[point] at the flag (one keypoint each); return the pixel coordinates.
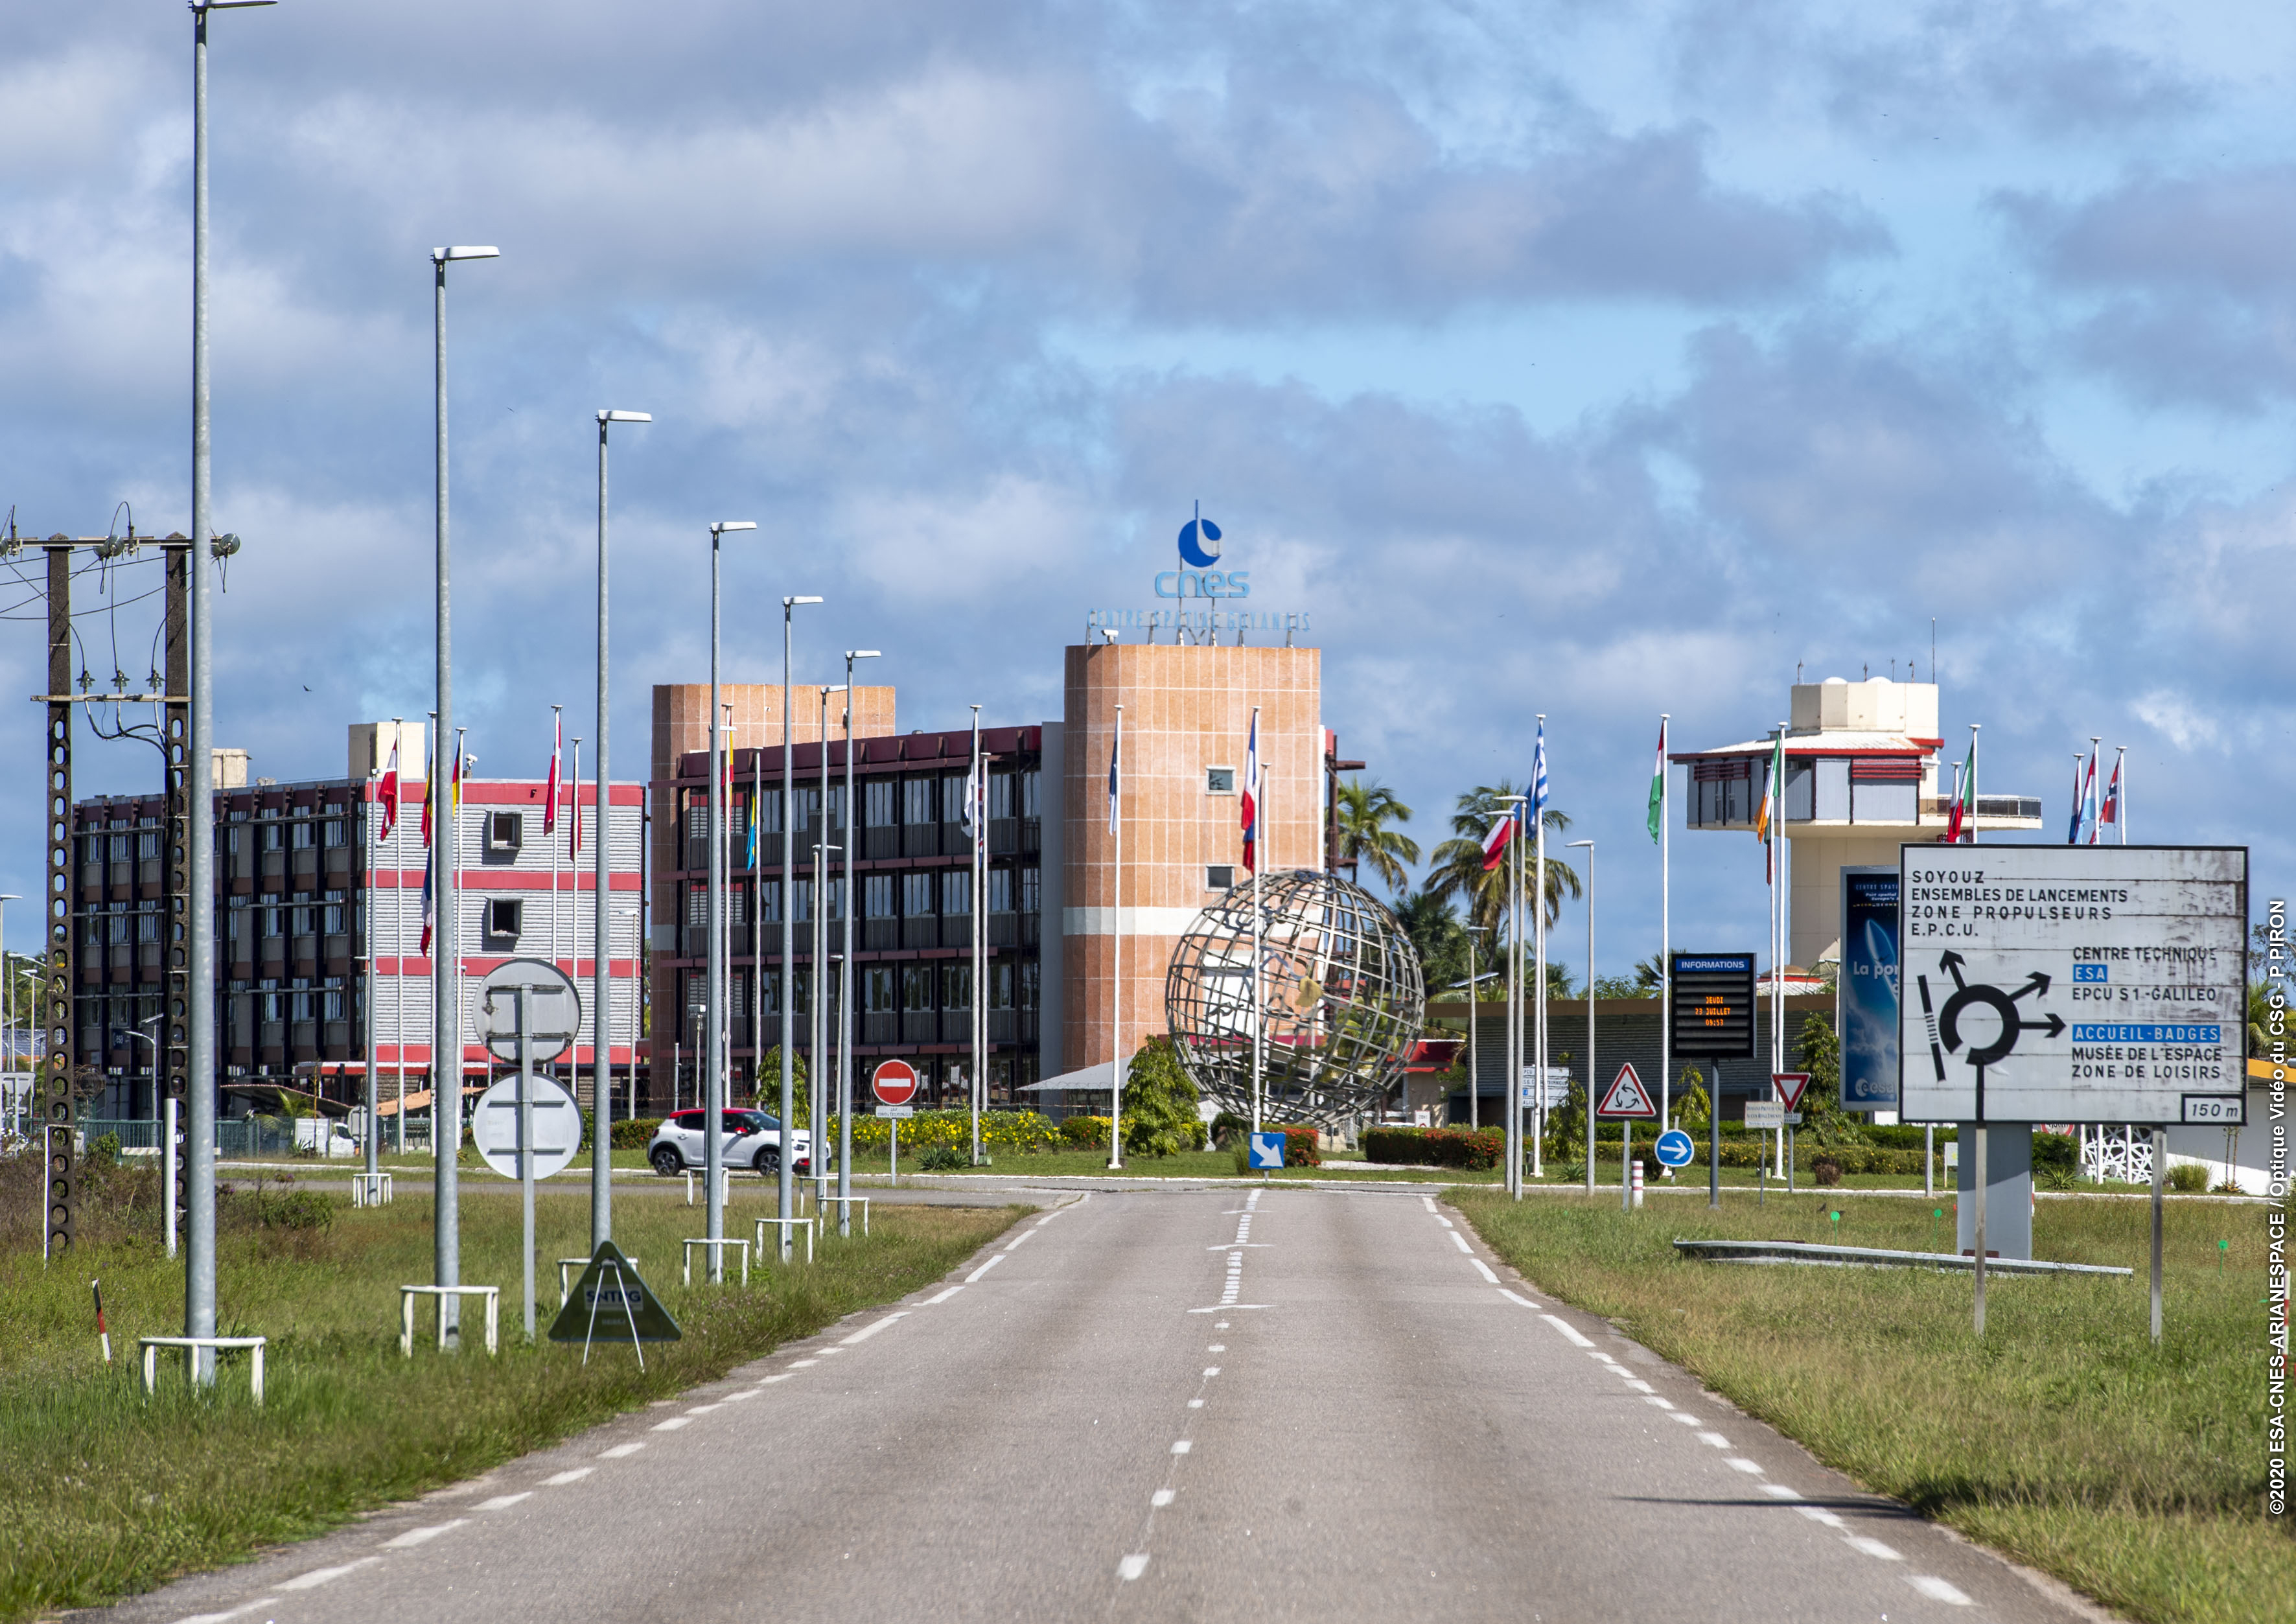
(975, 794)
(454, 786)
(2110, 813)
(424, 950)
(1250, 811)
(1965, 797)
(1766, 820)
(430, 789)
(549, 795)
(1494, 842)
(2073, 819)
(2089, 815)
(755, 807)
(1115, 745)
(387, 794)
(1657, 786)
(1538, 773)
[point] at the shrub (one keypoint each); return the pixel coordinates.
(1436, 1147)
(636, 1134)
(1826, 1171)
(1227, 1122)
(261, 1209)
(1159, 1100)
(2189, 1177)
(2055, 1150)
(1084, 1133)
(1000, 1130)
(945, 1159)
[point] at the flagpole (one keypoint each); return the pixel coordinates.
(2120, 791)
(973, 798)
(455, 943)
(1116, 951)
(1538, 931)
(1971, 786)
(550, 826)
(2088, 794)
(757, 916)
(399, 944)
(1253, 788)
(573, 890)
(1665, 945)
(816, 1075)
(1511, 1098)
(372, 1091)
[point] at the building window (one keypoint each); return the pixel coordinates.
(877, 989)
(505, 830)
(1000, 890)
(801, 900)
(1000, 794)
(503, 916)
(956, 986)
(1031, 781)
(306, 834)
(952, 797)
(957, 891)
(917, 986)
(879, 799)
(299, 1005)
(119, 844)
(271, 1001)
(147, 926)
(231, 840)
(916, 895)
(1219, 876)
(147, 845)
(1029, 981)
(877, 896)
(334, 920)
(917, 801)
(1000, 984)
(1032, 890)
(697, 905)
(335, 832)
(271, 926)
(1219, 780)
(274, 837)
(303, 921)
(234, 923)
(120, 927)
(331, 1003)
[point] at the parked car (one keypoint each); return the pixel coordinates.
(751, 1139)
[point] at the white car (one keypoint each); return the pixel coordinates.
(749, 1139)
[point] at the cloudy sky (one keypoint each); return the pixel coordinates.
(1596, 360)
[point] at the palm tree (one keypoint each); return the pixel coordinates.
(1458, 863)
(1362, 813)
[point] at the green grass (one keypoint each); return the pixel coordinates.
(109, 1494)
(2064, 1438)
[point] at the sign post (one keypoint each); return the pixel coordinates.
(1712, 1018)
(894, 1082)
(544, 1015)
(1789, 1088)
(2069, 984)
(1624, 1102)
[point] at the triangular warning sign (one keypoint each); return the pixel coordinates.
(1789, 1084)
(612, 1304)
(1628, 1098)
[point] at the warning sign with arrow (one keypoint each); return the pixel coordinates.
(612, 1304)
(1626, 1099)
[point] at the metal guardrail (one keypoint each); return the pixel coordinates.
(1875, 1257)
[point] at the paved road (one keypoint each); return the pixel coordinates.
(1206, 1404)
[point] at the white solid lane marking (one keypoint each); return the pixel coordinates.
(1511, 1297)
(1716, 1440)
(1872, 1547)
(1460, 1242)
(984, 1268)
(1818, 1514)
(1483, 1268)
(866, 1331)
(1739, 1462)
(320, 1576)
(422, 1536)
(1937, 1590)
(672, 1424)
(1575, 1339)
(1182, 1446)
(944, 1297)
(504, 1501)
(1779, 1491)
(1160, 1498)
(619, 1451)
(1211, 1370)
(1133, 1566)
(577, 1475)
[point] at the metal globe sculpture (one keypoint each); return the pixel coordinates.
(1332, 1015)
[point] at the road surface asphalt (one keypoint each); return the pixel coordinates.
(1198, 1403)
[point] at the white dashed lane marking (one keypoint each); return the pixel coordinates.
(320, 1576)
(563, 1478)
(1133, 1566)
(1739, 1462)
(422, 1536)
(1872, 1547)
(504, 1501)
(1938, 1589)
(866, 1331)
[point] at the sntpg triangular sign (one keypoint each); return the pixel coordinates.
(1628, 1098)
(612, 1304)
(1789, 1084)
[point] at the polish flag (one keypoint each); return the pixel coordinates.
(549, 795)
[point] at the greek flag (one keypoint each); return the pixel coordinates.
(1539, 774)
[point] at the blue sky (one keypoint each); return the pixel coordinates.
(1590, 360)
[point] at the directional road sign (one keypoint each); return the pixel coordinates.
(557, 1126)
(2072, 983)
(553, 1009)
(1789, 1085)
(1674, 1149)
(1267, 1150)
(894, 1082)
(1764, 1113)
(1713, 1005)
(1627, 1098)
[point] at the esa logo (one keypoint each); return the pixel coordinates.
(1199, 551)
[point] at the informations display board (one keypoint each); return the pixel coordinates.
(1866, 994)
(1713, 1005)
(2072, 984)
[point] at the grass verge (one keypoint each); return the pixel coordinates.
(2065, 1439)
(109, 1493)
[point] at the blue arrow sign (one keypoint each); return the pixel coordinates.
(1674, 1149)
(1267, 1150)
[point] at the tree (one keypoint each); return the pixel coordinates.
(1447, 954)
(1160, 1102)
(1457, 864)
(1363, 812)
(1818, 1051)
(1690, 1107)
(769, 1084)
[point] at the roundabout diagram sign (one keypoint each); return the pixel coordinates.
(2072, 983)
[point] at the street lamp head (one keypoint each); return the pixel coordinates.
(1589, 844)
(724, 525)
(792, 602)
(441, 256)
(228, 5)
(626, 417)
(853, 654)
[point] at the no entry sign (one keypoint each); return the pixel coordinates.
(894, 1082)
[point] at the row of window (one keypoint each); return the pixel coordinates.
(884, 802)
(885, 988)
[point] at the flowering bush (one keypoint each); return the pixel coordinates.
(1000, 1130)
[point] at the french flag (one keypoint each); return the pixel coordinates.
(424, 950)
(1251, 801)
(1494, 842)
(387, 794)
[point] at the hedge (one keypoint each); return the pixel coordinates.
(1091, 1134)
(1436, 1147)
(1000, 1130)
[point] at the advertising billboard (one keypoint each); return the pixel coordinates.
(1865, 993)
(2072, 984)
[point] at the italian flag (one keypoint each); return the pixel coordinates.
(1658, 785)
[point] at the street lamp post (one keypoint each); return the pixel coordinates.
(713, 1063)
(601, 987)
(817, 1089)
(200, 1039)
(1627, 1132)
(1474, 1071)
(785, 1170)
(637, 954)
(8, 1016)
(845, 977)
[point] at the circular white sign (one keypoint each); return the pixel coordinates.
(557, 1126)
(553, 1009)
